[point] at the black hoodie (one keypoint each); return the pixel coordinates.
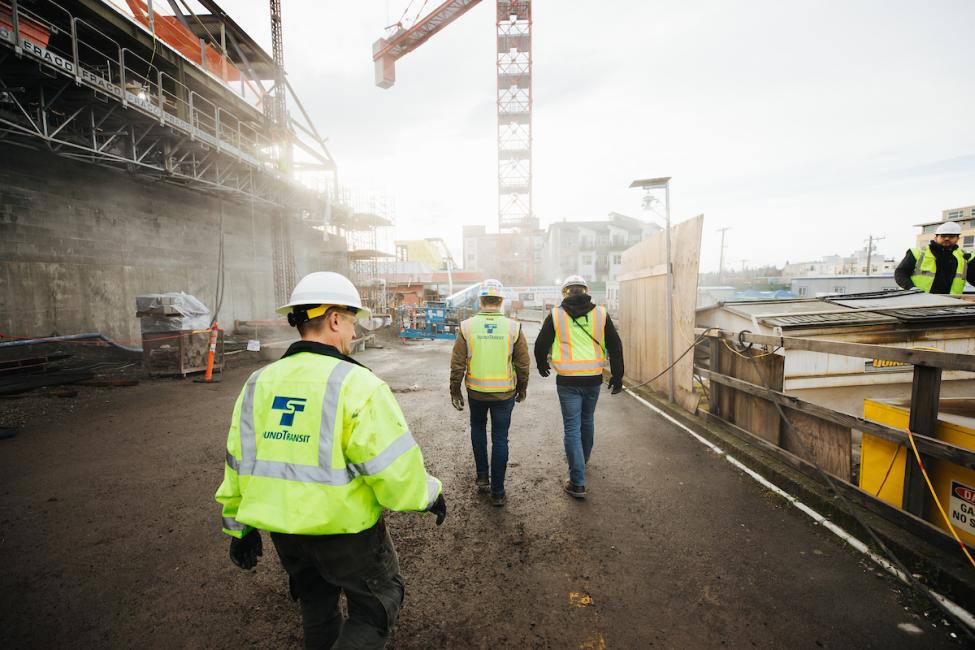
(945, 267)
(578, 307)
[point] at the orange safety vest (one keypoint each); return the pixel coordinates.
(579, 347)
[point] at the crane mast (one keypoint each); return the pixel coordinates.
(516, 221)
(517, 224)
(278, 110)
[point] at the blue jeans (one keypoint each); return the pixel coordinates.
(500, 421)
(578, 407)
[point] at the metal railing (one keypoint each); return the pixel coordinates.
(100, 61)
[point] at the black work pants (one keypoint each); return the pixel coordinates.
(364, 566)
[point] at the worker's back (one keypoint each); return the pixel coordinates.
(305, 443)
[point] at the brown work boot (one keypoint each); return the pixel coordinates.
(577, 491)
(483, 482)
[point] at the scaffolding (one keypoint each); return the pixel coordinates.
(117, 84)
(366, 223)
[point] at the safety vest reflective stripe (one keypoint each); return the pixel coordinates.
(232, 524)
(926, 267)
(579, 357)
(386, 457)
(323, 473)
(433, 490)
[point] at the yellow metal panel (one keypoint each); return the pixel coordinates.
(881, 461)
(954, 485)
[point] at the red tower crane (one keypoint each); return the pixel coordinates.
(517, 224)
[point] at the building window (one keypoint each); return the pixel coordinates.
(839, 289)
(587, 259)
(930, 228)
(802, 291)
(954, 214)
(968, 241)
(617, 259)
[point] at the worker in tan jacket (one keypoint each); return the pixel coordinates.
(491, 358)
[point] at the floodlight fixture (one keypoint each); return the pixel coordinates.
(652, 183)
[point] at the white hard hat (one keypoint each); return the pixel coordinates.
(948, 228)
(575, 281)
(491, 288)
(325, 288)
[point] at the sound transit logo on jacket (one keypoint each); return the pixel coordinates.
(290, 406)
(490, 327)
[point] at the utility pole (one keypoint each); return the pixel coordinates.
(721, 257)
(870, 240)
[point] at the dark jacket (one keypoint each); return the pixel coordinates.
(579, 307)
(944, 273)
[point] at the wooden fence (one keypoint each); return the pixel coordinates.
(746, 386)
(643, 308)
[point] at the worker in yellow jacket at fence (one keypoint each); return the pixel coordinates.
(317, 448)
(491, 358)
(939, 267)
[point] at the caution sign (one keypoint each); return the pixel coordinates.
(962, 507)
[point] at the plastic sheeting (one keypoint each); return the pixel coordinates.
(171, 312)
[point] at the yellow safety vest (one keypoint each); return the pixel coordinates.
(579, 347)
(319, 446)
(490, 340)
(926, 266)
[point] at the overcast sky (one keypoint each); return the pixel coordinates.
(802, 125)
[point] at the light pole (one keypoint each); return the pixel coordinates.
(648, 185)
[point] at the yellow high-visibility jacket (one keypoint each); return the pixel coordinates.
(319, 446)
(926, 266)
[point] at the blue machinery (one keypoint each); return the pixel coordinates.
(432, 320)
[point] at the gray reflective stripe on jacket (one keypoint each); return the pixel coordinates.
(232, 524)
(961, 270)
(433, 491)
(323, 473)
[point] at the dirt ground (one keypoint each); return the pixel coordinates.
(110, 538)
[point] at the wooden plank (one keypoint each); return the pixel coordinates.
(925, 399)
(659, 269)
(826, 444)
(643, 309)
(926, 445)
(928, 358)
(752, 413)
(918, 527)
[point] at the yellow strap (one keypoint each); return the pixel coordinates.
(318, 311)
(964, 549)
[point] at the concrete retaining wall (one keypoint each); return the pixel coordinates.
(79, 242)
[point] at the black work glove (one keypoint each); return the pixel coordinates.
(544, 372)
(457, 401)
(244, 551)
(439, 508)
(615, 385)
(522, 394)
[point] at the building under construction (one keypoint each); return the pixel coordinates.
(148, 152)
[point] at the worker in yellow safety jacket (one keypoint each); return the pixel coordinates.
(317, 448)
(576, 339)
(939, 267)
(491, 358)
